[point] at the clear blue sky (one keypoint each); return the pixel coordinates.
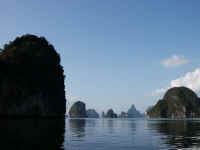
(111, 50)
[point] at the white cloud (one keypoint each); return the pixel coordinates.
(190, 80)
(174, 61)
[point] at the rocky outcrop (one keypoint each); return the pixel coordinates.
(178, 102)
(78, 110)
(91, 113)
(133, 113)
(31, 79)
(111, 114)
(123, 115)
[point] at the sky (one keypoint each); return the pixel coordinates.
(115, 53)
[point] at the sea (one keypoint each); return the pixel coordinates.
(100, 134)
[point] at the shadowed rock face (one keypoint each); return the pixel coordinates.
(91, 113)
(178, 102)
(78, 110)
(31, 79)
(111, 114)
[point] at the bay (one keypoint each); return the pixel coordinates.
(99, 134)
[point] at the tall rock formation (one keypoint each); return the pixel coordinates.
(31, 79)
(178, 102)
(78, 110)
(133, 113)
(111, 114)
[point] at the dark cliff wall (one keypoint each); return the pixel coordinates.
(31, 79)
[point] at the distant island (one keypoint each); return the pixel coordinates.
(131, 113)
(178, 102)
(110, 114)
(31, 79)
(78, 110)
(91, 113)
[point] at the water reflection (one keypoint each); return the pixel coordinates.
(31, 134)
(110, 124)
(132, 126)
(179, 133)
(77, 127)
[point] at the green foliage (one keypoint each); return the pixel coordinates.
(177, 102)
(30, 49)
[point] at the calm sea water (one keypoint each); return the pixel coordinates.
(99, 134)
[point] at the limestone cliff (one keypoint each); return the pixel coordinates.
(178, 102)
(31, 79)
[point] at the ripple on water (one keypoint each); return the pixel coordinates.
(125, 134)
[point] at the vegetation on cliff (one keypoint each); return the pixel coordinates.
(178, 102)
(31, 78)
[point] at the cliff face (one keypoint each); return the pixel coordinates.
(78, 110)
(178, 102)
(31, 79)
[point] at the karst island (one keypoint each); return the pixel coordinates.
(31, 79)
(178, 102)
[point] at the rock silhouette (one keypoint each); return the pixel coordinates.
(111, 114)
(31, 79)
